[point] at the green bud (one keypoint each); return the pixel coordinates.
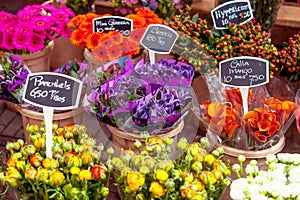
(205, 142)
(137, 144)
(104, 191)
(110, 151)
(145, 135)
(241, 158)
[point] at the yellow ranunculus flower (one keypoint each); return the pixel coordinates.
(85, 175)
(50, 163)
(12, 172)
(56, 177)
(30, 173)
(86, 158)
(157, 189)
(161, 175)
(72, 160)
(135, 180)
(40, 143)
(42, 174)
(74, 170)
(207, 177)
(11, 162)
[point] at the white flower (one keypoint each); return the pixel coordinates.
(237, 189)
(251, 169)
(294, 175)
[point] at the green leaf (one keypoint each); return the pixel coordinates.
(135, 96)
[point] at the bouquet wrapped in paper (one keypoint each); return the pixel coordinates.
(267, 120)
(132, 102)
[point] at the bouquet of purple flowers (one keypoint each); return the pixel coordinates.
(13, 74)
(139, 99)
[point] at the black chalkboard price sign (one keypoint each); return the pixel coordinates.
(237, 12)
(244, 71)
(113, 23)
(52, 90)
(159, 38)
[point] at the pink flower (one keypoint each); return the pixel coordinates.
(7, 41)
(36, 43)
(25, 27)
(40, 23)
(20, 41)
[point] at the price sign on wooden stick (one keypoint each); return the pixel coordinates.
(244, 72)
(158, 39)
(52, 91)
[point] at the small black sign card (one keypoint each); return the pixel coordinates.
(53, 90)
(237, 12)
(113, 23)
(244, 71)
(159, 38)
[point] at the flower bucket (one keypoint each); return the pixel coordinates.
(63, 52)
(232, 154)
(61, 119)
(126, 140)
(36, 62)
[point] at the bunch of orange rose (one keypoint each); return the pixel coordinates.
(111, 45)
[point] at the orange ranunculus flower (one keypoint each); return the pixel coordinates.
(36, 159)
(56, 178)
(11, 162)
(86, 157)
(261, 124)
(135, 180)
(188, 190)
(157, 189)
(99, 171)
(85, 175)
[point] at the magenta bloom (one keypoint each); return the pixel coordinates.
(8, 41)
(36, 43)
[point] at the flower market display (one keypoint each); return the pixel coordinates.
(74, 172)
(33, 28)
(279, 181)
(112, 45)
(164, 9)
(143, 97)
(152, 174)
(13, 74)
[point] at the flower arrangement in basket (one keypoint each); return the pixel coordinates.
(151, 174)
(33, 28)
(74, 172)
(279, 181)
(143, 97)
(204, 47)
(164, 9)
(111, 45)
(261, 127)
(78, 7)
(13, 74)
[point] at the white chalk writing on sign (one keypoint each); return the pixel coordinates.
(244, 71)
(51, 94)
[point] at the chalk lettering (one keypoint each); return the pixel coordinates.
(161, 33)
(39, 81)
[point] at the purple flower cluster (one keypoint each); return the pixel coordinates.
(166, 72)
(130, 102)
(13, 74)
(33, 27)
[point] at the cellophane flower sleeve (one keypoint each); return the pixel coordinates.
(143, 97)
(269, 115)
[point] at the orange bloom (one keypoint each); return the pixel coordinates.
(100, 53)
(77, 37)
(222, 119)
(138, 22)
(114, 52)
(261, 124)
(93, 40)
